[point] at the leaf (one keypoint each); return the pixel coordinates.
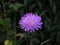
(22, 11)
(32, 6)
(48, 20)
(54, 8)
(48, 23)
(15, 6)
(8, 42)
(25, 3)
(7, 22)
(3, 23)
(54, 27)
(43, 12)
(39, 4)
(51, 2)
(45, 41)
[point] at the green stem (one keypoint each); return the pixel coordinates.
(14, 30)
(4, 8)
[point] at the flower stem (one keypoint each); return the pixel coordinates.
(15, 30)
(4, 8)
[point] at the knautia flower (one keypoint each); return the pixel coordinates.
(30, 22)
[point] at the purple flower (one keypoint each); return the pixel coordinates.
(29, 22)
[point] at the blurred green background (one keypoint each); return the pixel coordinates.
(11, 12)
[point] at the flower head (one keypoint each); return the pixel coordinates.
(29, 22)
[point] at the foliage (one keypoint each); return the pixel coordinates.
(11, 12)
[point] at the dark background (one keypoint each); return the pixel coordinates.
(11, 12)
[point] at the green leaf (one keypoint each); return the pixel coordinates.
(22, 11)
(25, 3)
(15, 6)
(8, 42)
(54, 27)
(51, 2)
(7, 22)
(32, 6)
(39, 4)
(48, 23)
(54, 8)
(45, 42)
(3, 24)
(43, 12)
